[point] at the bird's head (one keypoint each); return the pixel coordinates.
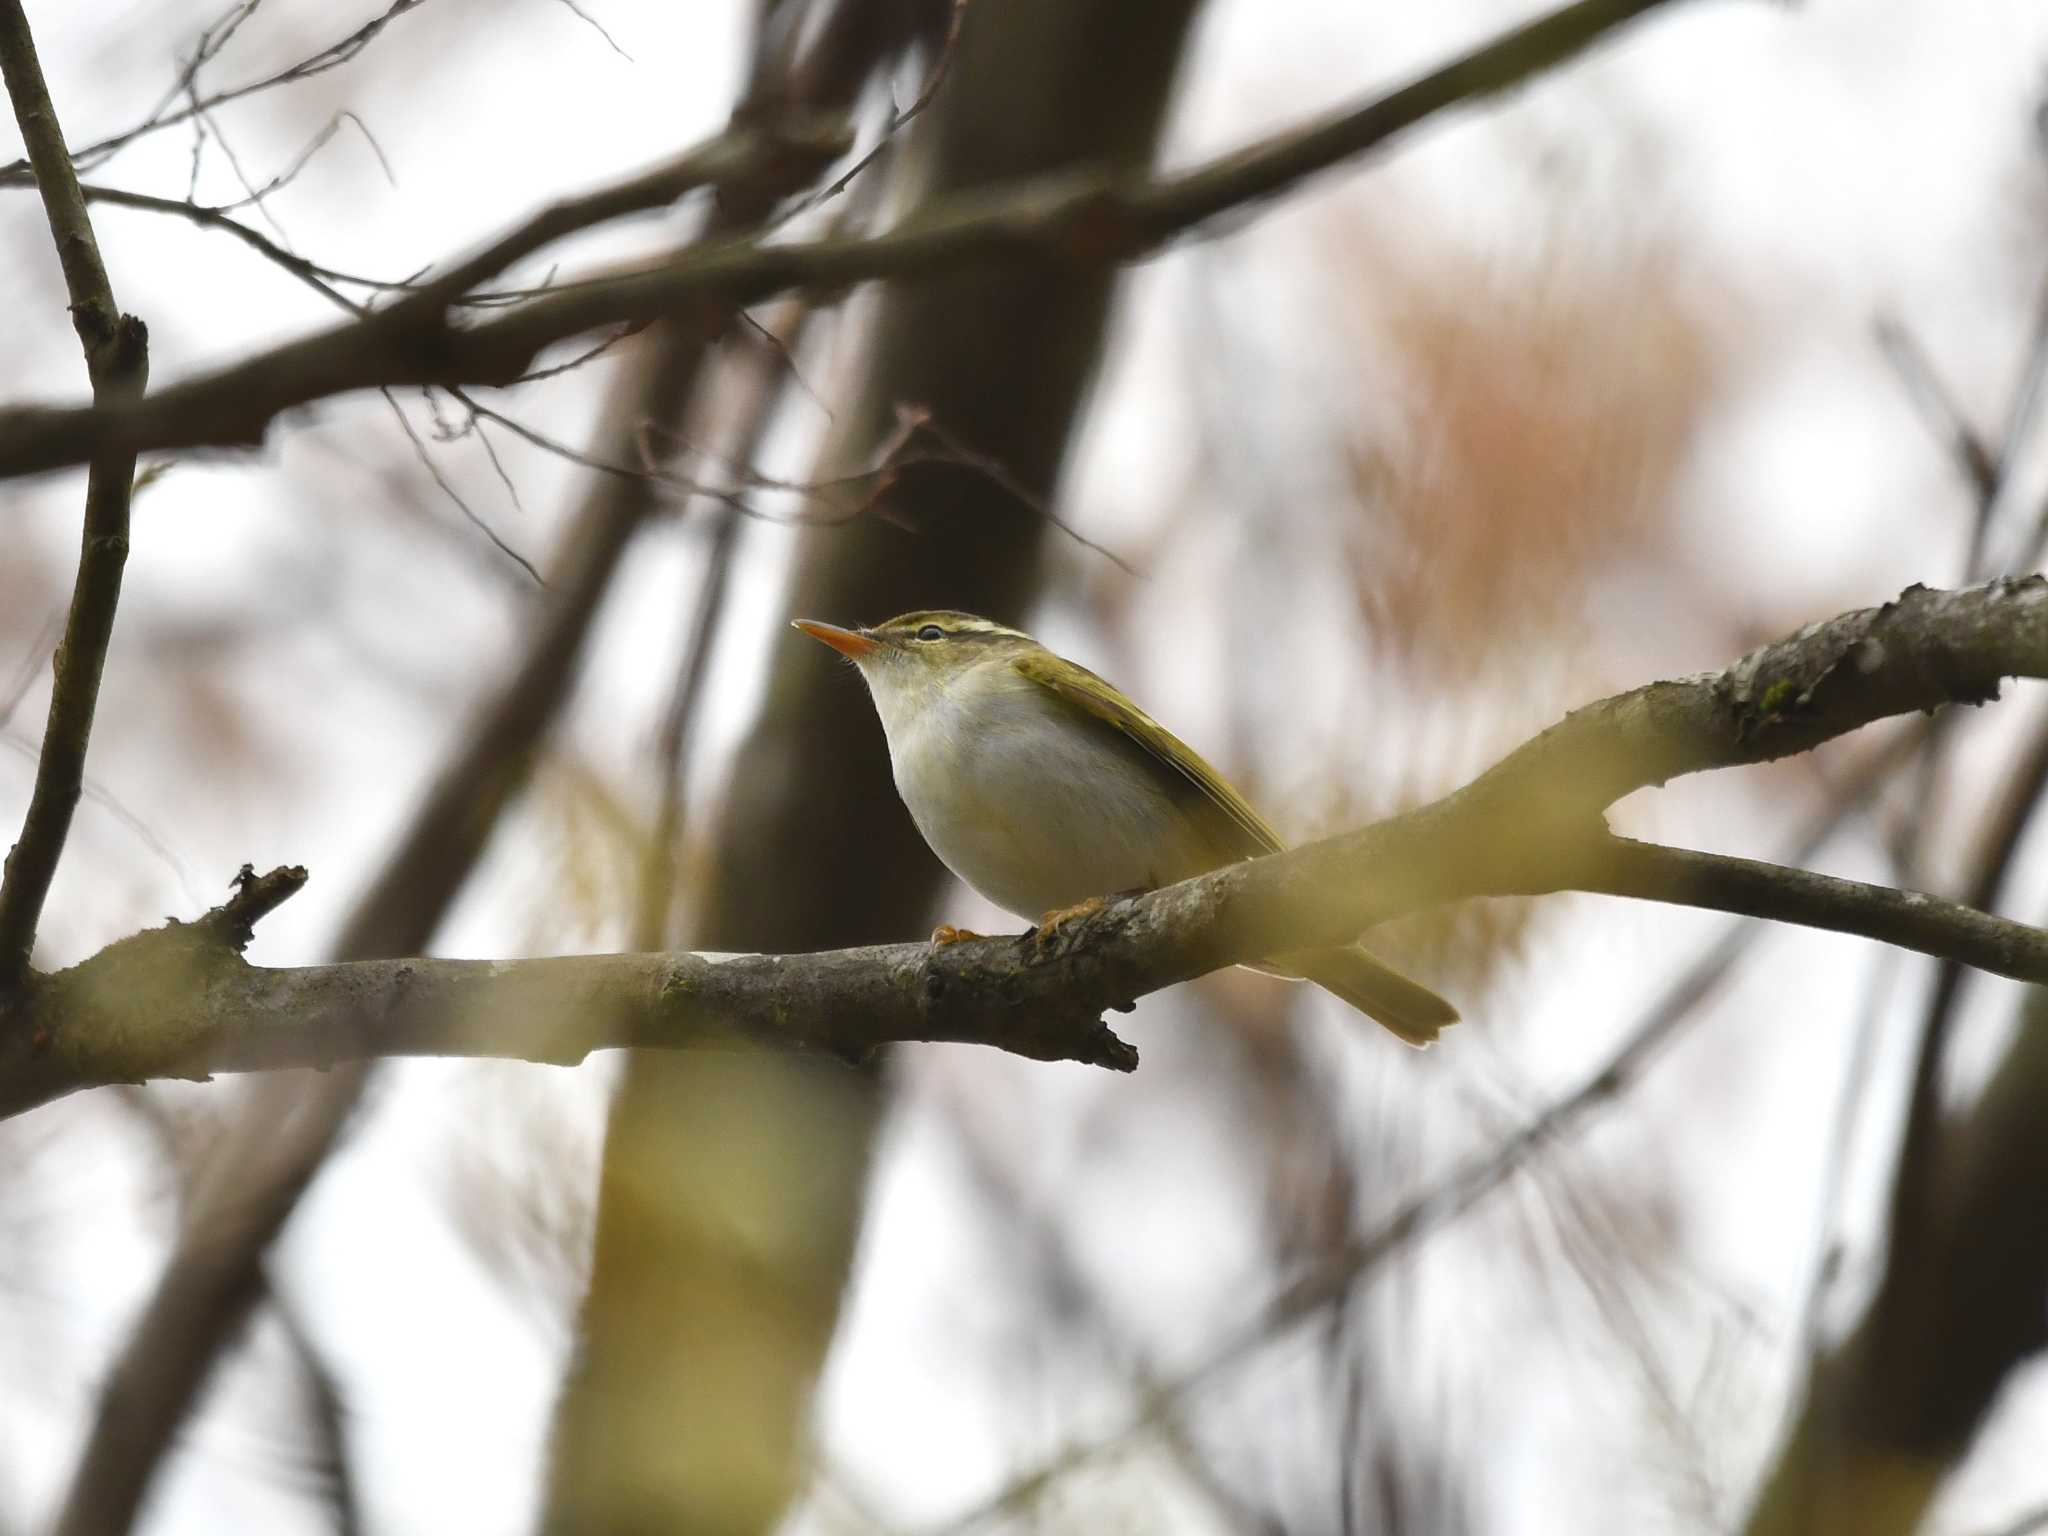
(917, 657)
(931, 643)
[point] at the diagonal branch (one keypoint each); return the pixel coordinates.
(179, 1001)
(1089, 219)
(764, 161)
(117, 361)
(1526, 825)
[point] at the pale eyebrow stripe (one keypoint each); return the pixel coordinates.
(978, 630)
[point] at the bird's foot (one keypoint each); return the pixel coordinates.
(946, 934)
(1048, 927)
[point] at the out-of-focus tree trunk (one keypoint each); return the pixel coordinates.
(1963, 1304)
(252, 1181)
(733, 1186)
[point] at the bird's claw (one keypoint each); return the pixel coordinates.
(1047, 930)
(946, 934)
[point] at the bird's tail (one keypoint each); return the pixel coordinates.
(1405, 1008)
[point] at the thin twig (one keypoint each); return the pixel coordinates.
(251, 196)
(483, 439)
(1945, 419)
(953, 451)
(32, 663)
(95, 793)
(596, 26)
(942, 64)
(1090, 219)
(259, 197)
(117, 360)
(821, 503)
(334, 55)
(757, 389)
(589, 354)
(2019, 421)
(426, 458)
(209, 217)
(320, 279)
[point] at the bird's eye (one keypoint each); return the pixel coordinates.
(931, 632)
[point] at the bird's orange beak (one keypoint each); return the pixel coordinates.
(847, 642)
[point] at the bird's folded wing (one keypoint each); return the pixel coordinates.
(1231, 827)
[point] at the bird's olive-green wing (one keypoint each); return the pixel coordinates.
(1228, 823)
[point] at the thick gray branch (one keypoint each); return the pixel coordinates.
(179, 1001)
(164, 1004)
(1089, 219)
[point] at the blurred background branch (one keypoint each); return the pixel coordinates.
(268, 1159)
(1079, 217)
(1881, 1417)
(717, 1278)
(1573, 392)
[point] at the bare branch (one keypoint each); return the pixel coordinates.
(1937, 405)
(935, 77)
(1088, 219)
(178, 1001)
(762, 161)
(596, 26)
(183, 1146)
(753, 390)
(257, 197)
(469, 513)
(1910, 919)
(332, 56)
(216, 1271)
(320, 279)
(117, 361)
(953, 451)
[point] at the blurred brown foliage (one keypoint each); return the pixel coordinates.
(1538, 419)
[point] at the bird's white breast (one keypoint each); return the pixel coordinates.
(1024, 801)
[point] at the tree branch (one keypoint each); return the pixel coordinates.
(1526, 825)
(117, 361)
(332, 56)
(322, 280)
(179, 1001)
(1089, 218)
(1910, 919)
(280, 1141)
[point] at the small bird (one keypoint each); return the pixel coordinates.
(1047, 790)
